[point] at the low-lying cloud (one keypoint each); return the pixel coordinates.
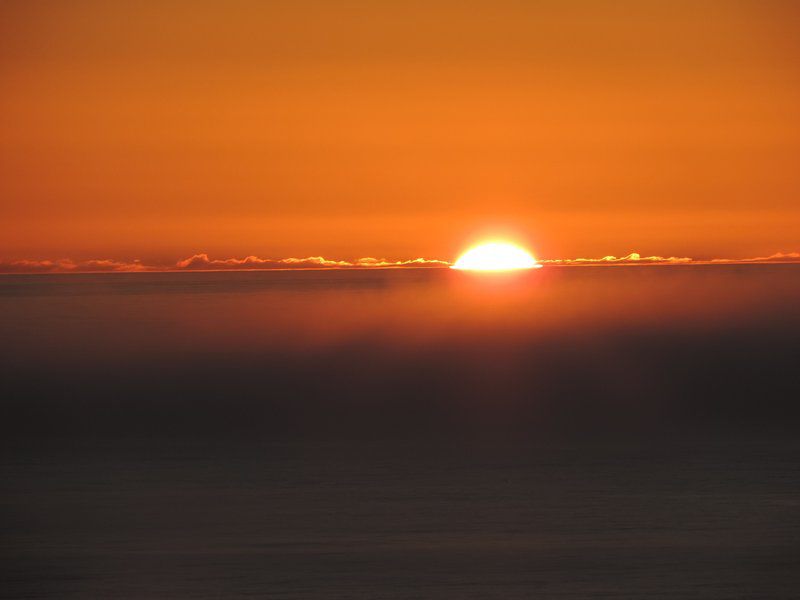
(66, 265)
(202, 262)
(631, 259)
(778, 257)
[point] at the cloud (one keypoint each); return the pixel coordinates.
(778, 257)
(416, 262)
(37, 266)
(105, 265)
(202, 262)
(633, 258)
(67, 265)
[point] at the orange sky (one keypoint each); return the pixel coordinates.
(398, 128)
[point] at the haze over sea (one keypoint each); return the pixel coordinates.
(617, 432)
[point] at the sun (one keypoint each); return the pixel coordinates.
(496, 256)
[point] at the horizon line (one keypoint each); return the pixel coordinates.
(202, 263)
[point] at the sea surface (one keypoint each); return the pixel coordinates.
(570, 432)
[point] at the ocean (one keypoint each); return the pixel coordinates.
(569, 432)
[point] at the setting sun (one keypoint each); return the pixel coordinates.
(496, 256)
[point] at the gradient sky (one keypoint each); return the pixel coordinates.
(156, 130)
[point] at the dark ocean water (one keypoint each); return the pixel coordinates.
(565, 433)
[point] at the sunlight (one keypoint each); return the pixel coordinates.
(496, 256)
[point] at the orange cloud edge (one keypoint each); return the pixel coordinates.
(202, 262)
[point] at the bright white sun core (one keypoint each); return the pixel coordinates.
(495, 256)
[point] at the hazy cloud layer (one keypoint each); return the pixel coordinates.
(202, 262)
(631, 259)
(66, 265)
(778, 257)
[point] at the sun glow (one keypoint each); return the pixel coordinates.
(496, 256)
